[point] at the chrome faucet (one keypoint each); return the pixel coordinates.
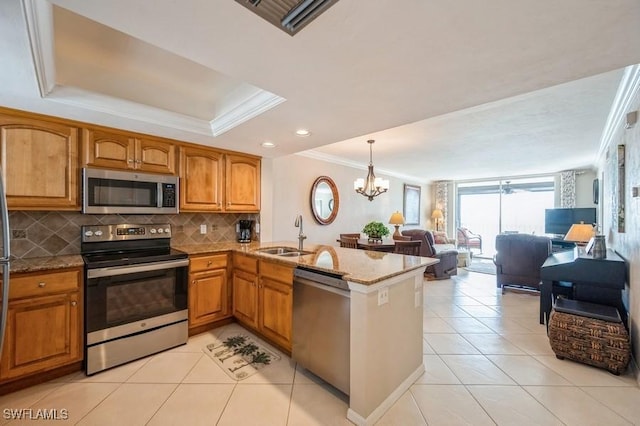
(301, 236)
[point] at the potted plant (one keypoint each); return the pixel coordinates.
(375, 231)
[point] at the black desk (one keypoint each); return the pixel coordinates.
(594, 280)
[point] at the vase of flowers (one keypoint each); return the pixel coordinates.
(375, 231)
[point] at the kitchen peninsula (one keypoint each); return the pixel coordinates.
(385, 338)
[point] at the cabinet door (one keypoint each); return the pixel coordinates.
(242, 183)
(208, 297)
(276, 309)
(155, 156)
(201, 179)
(42, 333)
(40, 162)
(245, 298)
(111, 150)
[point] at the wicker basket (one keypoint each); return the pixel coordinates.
(591, 341)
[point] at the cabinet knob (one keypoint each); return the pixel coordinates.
(194, 281)
(42, 284)
(74, 303)
(138, 161)
(209, 263)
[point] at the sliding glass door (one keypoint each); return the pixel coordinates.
(489, 208)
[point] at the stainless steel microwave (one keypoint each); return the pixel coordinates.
(109, 191)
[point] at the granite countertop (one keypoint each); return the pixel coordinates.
(359, 266)
(36, 264)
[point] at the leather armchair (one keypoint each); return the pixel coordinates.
(448, 264)
(519, 258)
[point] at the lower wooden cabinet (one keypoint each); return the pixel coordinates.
(263, 298)
(276, 309)
(44, 323)
(208, 289)
(245, 289)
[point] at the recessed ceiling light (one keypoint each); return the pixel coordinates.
(303, 132)
(267, 144)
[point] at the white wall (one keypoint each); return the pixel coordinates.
(291, 178)
(627, 244)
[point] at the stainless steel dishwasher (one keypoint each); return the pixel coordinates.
(321, 323)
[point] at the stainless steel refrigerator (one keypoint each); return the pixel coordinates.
(4, 260)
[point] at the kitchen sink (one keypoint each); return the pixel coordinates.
(283, 251)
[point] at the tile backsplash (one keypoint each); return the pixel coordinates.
(36, 234)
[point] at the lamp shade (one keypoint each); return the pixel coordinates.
(396, 219)
(579, 233)
(437, 214)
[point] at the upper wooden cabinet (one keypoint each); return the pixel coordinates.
(243, 183)
(121, 151)
(40, 164)
(201, 179)
(213, 181)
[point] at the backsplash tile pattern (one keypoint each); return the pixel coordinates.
(36, 234)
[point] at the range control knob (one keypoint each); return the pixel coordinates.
(160, 230)
(88, 233)
(98, 233)
(167, 231)
(152, 230)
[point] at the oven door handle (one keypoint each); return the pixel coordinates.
(122, 270)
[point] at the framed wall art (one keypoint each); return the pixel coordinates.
(411, 204)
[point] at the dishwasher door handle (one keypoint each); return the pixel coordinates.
(323, 287)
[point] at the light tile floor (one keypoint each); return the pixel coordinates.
(487, 361)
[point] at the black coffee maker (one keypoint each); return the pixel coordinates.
(243, 229)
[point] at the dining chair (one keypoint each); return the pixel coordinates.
(407, 247)
(355, 235)
(349, 242)
(401, 238)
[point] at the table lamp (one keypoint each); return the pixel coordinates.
(396, 220)
(580, 233)
(437, 216)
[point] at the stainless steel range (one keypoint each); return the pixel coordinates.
(135, 294)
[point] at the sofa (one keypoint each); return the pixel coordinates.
(518, 260)
(448, 257)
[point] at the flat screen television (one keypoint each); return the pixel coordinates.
(558, 221)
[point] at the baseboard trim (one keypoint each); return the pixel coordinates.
(388, 402)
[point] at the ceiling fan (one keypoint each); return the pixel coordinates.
(508, 189)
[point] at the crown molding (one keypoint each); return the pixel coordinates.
(127, 109)
(629, 85)
(39, 19)
(254, 105)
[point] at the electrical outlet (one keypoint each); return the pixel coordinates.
(383, 296)
(203, 229)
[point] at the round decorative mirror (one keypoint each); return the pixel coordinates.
(324, 200)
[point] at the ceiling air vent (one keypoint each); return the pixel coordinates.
(288, 15)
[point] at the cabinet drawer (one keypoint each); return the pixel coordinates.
(43, 284)
(276, 272)
(205, 263)
(246, 263)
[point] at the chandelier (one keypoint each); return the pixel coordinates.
(371, 186)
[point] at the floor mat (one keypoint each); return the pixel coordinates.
(484, 266)
(240, 356)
